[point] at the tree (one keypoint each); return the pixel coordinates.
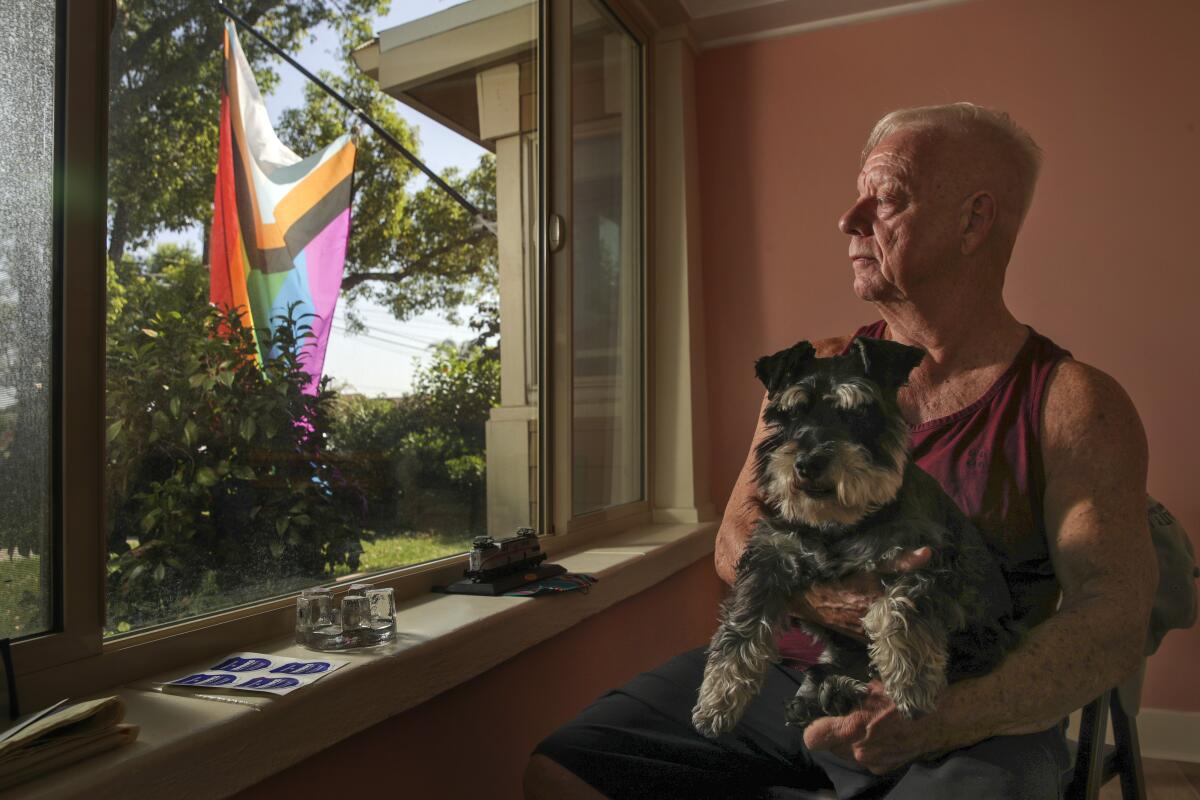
(454, 395)
(412, 249)
(165, 69)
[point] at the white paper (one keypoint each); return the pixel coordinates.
(256, 672)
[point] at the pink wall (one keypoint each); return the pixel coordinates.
(1107, 264)
(474, 740)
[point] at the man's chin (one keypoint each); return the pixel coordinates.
(872, 288)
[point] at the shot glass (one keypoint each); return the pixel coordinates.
(321, 605)
(356, 612)
(383, 605)
(360, 588)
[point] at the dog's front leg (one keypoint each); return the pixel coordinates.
(743, 646)
(908, 644)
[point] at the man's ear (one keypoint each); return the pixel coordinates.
(979, 213)
(785, 367)
(887, 363)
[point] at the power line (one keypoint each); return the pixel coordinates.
(476, 215)
(373, 337)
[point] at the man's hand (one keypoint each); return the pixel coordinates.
(841, 606)
(877, 737)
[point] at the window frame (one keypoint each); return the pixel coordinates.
(560, 190)
(74, 653)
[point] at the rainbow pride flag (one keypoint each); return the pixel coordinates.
(280, 222)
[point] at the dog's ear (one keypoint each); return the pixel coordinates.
(887, 363)
(785, 367)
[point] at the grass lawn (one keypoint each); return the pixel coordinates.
(21, 594)
(412, 548)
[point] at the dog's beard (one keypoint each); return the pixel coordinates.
(860, 485)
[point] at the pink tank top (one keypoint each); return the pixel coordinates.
(988, 457)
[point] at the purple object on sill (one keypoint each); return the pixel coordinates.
(560, 583)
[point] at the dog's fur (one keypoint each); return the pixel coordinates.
(840, 496)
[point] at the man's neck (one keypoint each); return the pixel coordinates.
(956, 336)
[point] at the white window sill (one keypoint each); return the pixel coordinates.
(195, 748)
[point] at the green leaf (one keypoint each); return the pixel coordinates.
(175, 407)
(244, 472)
(247, 428)
(205, 476)
(189, 432)
(226, 377)
(160, 572)
(281, 525)
(196, 380)
(149, 519)
(115, 429)
(276, 549)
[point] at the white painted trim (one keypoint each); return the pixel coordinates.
(1163, 734)
(847, 19)
(1173, 735)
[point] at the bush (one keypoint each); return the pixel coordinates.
(217, 472)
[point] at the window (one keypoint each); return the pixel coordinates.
(607, 277)
(232, 476)
(27, 268)
(221, 481)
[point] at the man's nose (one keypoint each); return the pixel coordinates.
(856, 222)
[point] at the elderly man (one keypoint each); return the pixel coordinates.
(1044, 453)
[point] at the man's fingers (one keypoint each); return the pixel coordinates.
(913, 559)
(836, 734)
(821, 734)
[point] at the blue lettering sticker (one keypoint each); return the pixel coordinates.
(235, 664)
(205, 679)
(303, 667)
(269, 683)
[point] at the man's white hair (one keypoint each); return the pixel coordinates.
(967, 119)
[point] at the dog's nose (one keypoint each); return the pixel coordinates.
(810, 465)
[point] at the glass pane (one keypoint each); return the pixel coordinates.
(607, 258)
(27, 96)
(234, 476)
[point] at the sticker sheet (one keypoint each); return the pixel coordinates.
(255, 672)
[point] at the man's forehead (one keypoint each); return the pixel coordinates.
(885, 167)
(896, 158)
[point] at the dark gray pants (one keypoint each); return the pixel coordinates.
(637, 741)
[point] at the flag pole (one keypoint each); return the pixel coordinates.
(476, 215)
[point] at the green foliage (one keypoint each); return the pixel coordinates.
(454, 395)
(217, 475)
(411, 249)
(422, 456)
(164, 100)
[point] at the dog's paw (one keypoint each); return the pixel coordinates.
(712, 722)
(839, 695)
(800, 711)
(918, 698)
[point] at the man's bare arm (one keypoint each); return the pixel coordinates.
(741, 512)
(1095, 453)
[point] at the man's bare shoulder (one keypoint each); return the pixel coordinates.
(834, 345)
(1083, 402)
(1095, 455)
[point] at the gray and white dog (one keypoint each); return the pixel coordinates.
(840, 495)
